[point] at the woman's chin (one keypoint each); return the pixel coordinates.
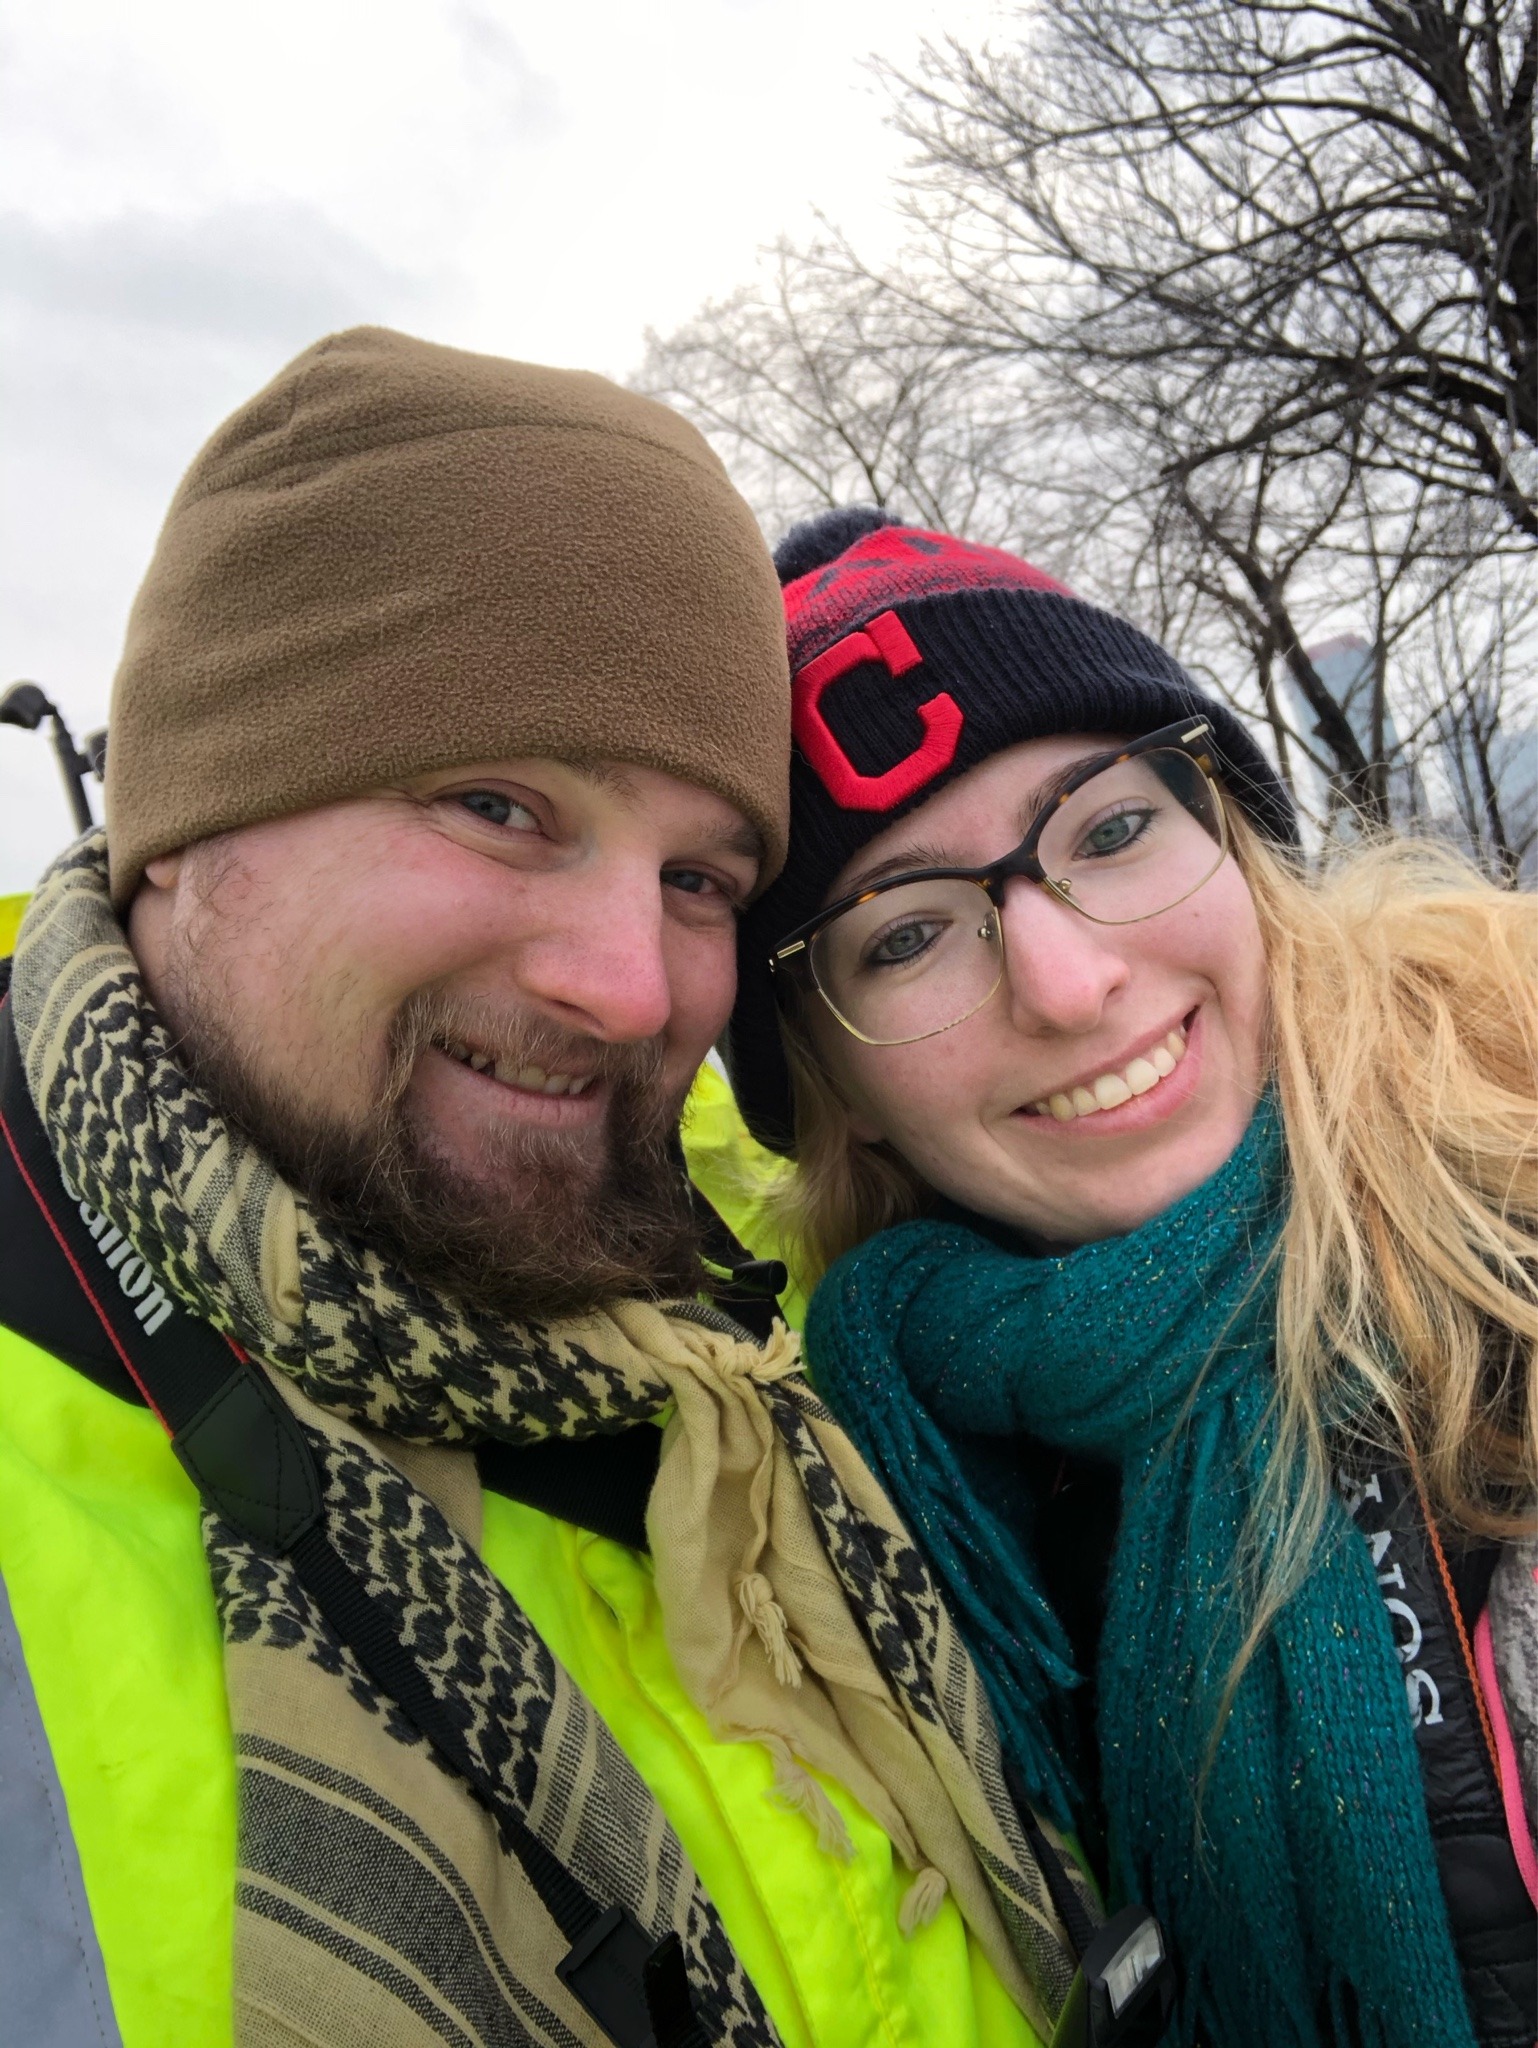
(1085, 1195)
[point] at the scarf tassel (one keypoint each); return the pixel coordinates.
(922, 1900)
(756, 1598)
(798, 1791)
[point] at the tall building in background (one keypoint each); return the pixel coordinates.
(1513, 767)
(1345, 667)
(1448, 798)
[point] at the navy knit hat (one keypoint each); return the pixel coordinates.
(915, 657)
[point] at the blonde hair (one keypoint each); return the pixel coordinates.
(1404, 1043)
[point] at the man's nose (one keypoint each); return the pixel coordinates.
(599, 967)
(1061, 968)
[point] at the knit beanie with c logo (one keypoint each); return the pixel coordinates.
(914, 657)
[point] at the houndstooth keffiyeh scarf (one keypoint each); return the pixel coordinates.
(375, 1905)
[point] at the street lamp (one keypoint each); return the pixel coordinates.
(26, 705)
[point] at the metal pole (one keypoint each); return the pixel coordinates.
(27, 705)
(72, 765)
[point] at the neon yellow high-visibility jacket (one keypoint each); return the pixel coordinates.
(117, 1772)
(11, 908)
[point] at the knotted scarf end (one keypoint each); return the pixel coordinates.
(766, 1616)
(922, 1901)
(798, 1791)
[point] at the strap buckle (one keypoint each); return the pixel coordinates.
(760, 1279)
(636, 1988)
(1124, 1991)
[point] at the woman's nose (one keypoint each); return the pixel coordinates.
(1060, 968)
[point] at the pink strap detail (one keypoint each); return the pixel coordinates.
(1506, 1750)
(886, 640)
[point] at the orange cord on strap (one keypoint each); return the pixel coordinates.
(1463, 1635)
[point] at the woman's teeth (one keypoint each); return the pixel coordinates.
(533, 1078)
(1110, 1091)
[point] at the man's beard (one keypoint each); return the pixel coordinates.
(544, 1223)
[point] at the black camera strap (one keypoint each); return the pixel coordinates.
(249, 1457)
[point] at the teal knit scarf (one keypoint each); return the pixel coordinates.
(1300, 1890)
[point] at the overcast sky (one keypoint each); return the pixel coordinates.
(191, 192)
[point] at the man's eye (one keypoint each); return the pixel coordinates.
(705, 898)
(691, 882)
(497, 809)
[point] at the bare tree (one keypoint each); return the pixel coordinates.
(1226, 311)
(820, 390)
(1305, 212)
(1285, 553)
(1286, 258)
(1481, 709)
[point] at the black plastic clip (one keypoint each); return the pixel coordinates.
(636, 1988)
(761, 1279)
(1124, 1992)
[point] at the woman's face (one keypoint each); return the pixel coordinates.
(995, 1112)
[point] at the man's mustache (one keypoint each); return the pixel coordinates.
(509, 1038)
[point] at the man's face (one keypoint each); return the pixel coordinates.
(462, 1013)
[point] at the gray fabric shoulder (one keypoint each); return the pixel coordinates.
(1514, 1640)
(53, 1984)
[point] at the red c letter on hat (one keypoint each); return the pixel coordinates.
(885, 640)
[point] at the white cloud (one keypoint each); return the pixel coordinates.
(125, 342)
(244, 271)
(193, 193)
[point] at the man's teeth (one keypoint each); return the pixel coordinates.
(1110, 1091)
(533, 1078)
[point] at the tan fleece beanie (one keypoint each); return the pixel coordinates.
(400, 557)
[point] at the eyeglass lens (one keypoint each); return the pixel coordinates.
(1134, 840)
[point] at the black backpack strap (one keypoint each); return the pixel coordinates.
(744, 1287)
(1491, 1916)
(602, 1483)
(40, 1295)
(253, 1464)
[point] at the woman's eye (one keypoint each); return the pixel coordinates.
(1115, 834)
(904, 942)
(497, 809)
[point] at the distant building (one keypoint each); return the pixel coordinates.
(1445, 800)
(1345, 667)
(1514, 771)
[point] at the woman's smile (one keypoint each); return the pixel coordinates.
(1137, 1081)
